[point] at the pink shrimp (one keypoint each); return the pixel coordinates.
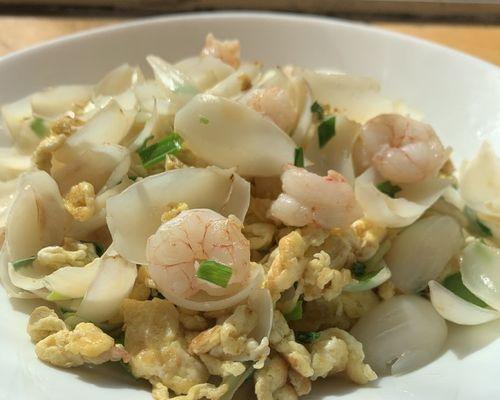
(227, 51)
(175, 251)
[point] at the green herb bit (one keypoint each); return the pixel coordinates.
(318, 110)
(326, 131)
(296, 313)
(454, 284)
(24, 262)
(358, 269)
(132, 178)
(388, 188)
(298, 159)
(374, 262)
(475, 223)
(214, 272)
(56, 296)
(38, 127)
(204, 120)
(307, 337)
(99, 250)
(151, 155)
(367, 275)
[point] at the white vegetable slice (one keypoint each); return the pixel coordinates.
(410, 204)
(119, 80)
(110, 125)
(234, 382)
(480, 181)
(480, 270)
(113, 283)
(10, 288)
(72, 282)
(261, 301)
(357, 98)
(57, 100)
(204, 71)
(37, 217)
(420, 252)
(337, 153)
(457, 310)
(12, 163)
(236, 83)
(401, 334)
(101, 165)
(134, 215)
(235, 136)
(205, 302)
(382, 275)
(17, 118)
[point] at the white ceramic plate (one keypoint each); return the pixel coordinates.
(458, 94)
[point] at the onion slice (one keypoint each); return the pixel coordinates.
(401, 334)
(480, 270)
(457, 310)
(381, 276)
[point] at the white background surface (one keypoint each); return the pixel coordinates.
(458, 94)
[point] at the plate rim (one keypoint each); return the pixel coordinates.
(282, 16)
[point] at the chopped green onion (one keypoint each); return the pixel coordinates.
(151, 155)
(454, 284)
(296, 313)
(56, 296)
(98, 249)
(374, 261)
(38, 127)
(204, 120)
(318, 110)
(307, 337)
(299, 157)
(132, 178)
(358, 269)
(326, 130)
(388, 188)
(214, 272)
(475, 223)
(24, 262)
(367, 275)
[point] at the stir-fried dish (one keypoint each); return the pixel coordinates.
(218, 223)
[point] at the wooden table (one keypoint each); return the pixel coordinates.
(482, 41)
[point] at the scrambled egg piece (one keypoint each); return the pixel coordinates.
(222, 368)
(320, 280)
(85, 344)
(66, 125)
(370, 235)
(192, 320)
(44, 322)
(283, 341)
(386, 290)
(301, 384)
(286, 392)
(259, 234)
(71, 254)
(229, 340)
(356, 304)
(288, 265)
(80, 201)
(172, 162)
(173, 210)
(157, 347)
(42, 156)
(270, 378)
(336, 351)
(203, 391)
(141, 289)
(321, 314)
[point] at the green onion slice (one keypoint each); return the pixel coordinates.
(38, 127)
(214, 272)
(388, 188)
(454, 284)
(299, 157)
(24, 262)
(318, 110)
(475, 224)
(296, 313)
(151, 155)
(326, 131)
(204, 120)
(56, 296)
(307, 337)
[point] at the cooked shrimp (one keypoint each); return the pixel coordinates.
(401, 149)
(227, 51)
(327, 201)
(175, 251)
(274, 103)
